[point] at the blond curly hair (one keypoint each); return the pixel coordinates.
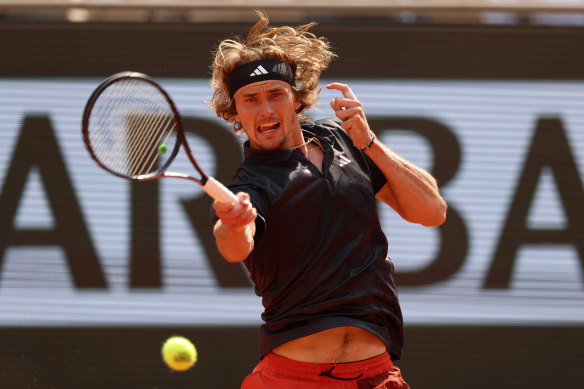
(307, 55)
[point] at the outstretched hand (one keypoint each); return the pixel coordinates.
(235, 230)
(350, 111)
(236, 216)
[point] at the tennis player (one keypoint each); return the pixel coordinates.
(306, 224)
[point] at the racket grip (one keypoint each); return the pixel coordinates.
(219, 192)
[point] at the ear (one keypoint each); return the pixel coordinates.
(297, 104)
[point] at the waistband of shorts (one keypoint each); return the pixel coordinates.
(280, 366)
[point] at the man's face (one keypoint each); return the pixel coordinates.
(267, 113)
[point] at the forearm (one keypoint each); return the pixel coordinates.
(235, 230)
(234, 244)
(410, 190)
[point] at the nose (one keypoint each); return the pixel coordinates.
(265, 108)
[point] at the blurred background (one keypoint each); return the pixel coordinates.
(96, 272)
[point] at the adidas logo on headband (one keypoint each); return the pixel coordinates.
(256, 71)
(259, 70)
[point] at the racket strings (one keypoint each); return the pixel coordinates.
(140, 131)
(111, 147)
(109, 143)
(132, 120)
(142, 138)
(155, 129)
(169, 128)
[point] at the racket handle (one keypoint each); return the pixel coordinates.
(219, 192)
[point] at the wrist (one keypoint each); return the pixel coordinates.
(369, 144)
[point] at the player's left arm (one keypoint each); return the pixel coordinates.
(410, 190)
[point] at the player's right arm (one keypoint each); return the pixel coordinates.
(235, 229)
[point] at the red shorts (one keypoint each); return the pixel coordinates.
(282, 373)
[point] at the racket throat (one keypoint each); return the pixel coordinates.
(210, 185)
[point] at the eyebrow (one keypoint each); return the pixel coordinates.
(251, 94)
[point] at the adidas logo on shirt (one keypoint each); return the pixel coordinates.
(343, 160)
(259, 71)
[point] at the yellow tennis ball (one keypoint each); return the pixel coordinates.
(179, 353)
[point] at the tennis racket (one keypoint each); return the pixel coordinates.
(132, 129)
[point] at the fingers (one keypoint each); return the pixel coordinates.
(340, 104)
(350, 111)
(348, 101)
(344, 88)
(347, 107)
(346, 114)
(236, 215)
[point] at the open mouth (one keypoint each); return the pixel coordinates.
(268, 126)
